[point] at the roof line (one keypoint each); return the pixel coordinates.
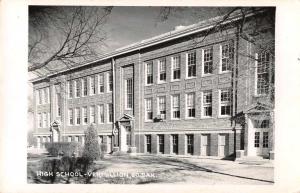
(192, 29)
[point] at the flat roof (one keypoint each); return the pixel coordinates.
(182, 31)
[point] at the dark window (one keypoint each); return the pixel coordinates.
(227, 57)
(161, 143)
(265, 139)
(162, 70)
(190, 144)
(149, 73)
(263, 67)
(148, 143)
(129, 93)
(176, 67)
(192, 64)
(256, 139)
(208, 61)
(175, 144)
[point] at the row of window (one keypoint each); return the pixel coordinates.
(190, 105)
(78, 116)
(95, 83)
(43, 96)
(226, 62)
(189, 143)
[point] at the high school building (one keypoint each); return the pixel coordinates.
(201, 90)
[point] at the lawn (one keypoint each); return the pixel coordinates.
(157, 169)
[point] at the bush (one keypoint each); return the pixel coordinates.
(68, 148)
(91, 148)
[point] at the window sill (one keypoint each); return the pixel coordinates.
(164, 82)
(225, 72)
(175, 119)
(175, 80)
(128, 109)
(207, 75)
(148, 84)
(190, 118)
(189, 78)
(148, 121)
(224, 116)
(206, 117)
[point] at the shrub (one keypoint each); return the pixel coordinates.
(68, 148)
(91, 148)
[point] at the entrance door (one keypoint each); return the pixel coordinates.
(261, 142)
(223, 145)
(204, 145)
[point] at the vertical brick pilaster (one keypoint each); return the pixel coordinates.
(231, 143)
(197, 144)
(238, 141)
(167, 147)
(181, 144)
(154, 144)
(105, 142)
(214, 144)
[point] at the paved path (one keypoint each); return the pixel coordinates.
(186, 170)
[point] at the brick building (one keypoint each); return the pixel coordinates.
(202, 90)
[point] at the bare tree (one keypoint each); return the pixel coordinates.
(64, 35)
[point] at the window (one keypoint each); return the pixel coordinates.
(175, 106)
(176, 67)
(84, 86)
(77, 87)
(225, 102)
(70, 88)
(175, 144)
(92, 114)
(256, 139)
(208, 61)
(191, 64)
(129, 93)
(101, 83)
(71, 120)
(262, 73)
(265, 139)
(44, 120)
(69, 138)
(161, 143)
(148, 143)
(92, 85)
(261, 123)
(162, 75)
(40, 120)
(77, 116)
(101, 113)
(109, 82)
(190, 144)
(128, 138)
(162, 107)
(149, 73)
(84, 112)
(110, 113)
(58, 100)
(76, 138)
(190, 105)
(207, 103)
(100, 139)
(149, 112)
(227, 52)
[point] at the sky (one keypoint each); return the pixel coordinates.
(127, 25)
